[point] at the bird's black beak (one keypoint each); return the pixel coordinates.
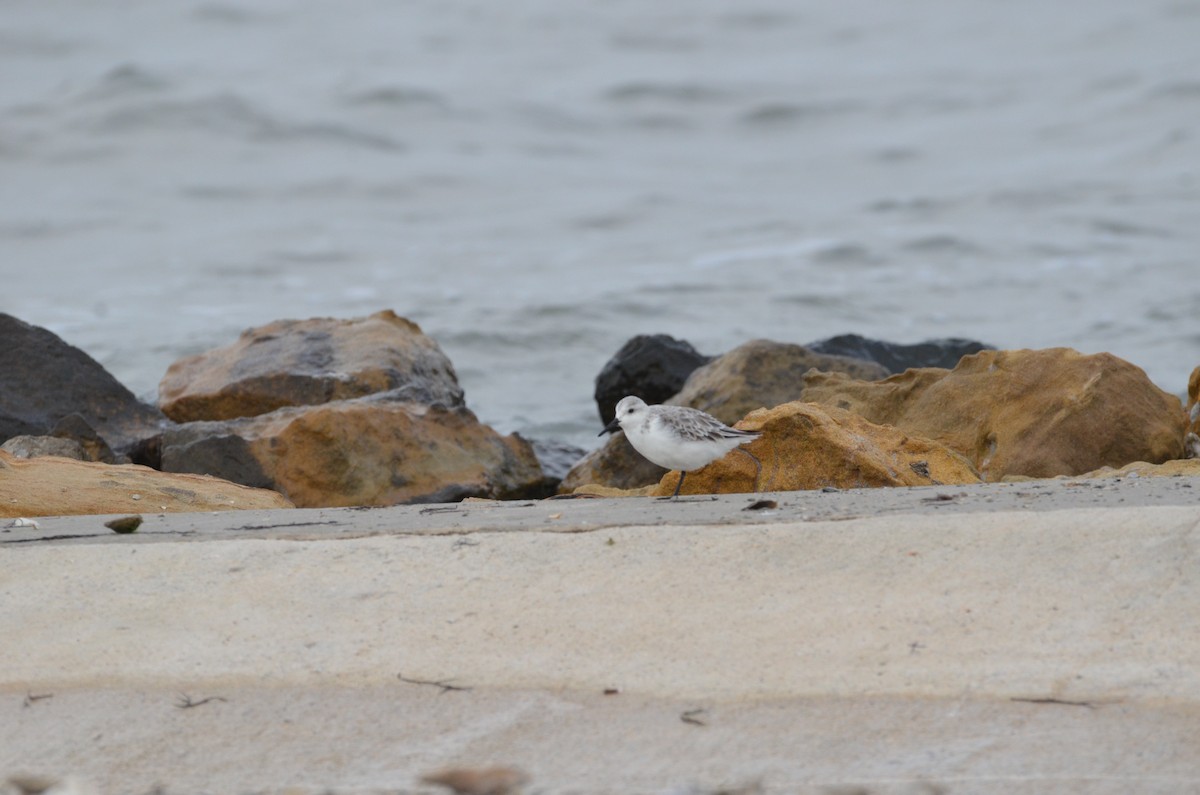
(612, 427)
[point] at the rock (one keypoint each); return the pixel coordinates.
(615, 464)
(1037, 413)
(38, 446)
(369, 451)
(761, 374)
(556, 458)
(758, 374)
(57, 487)
(596, 490)
(309, 362)
(806, 446)
(1191, 440)
(651, 366)
(479, 781)
(24, 784)
(75, 428)
(125, 524)
(896, 358)
(1175, 468)
(43, 379)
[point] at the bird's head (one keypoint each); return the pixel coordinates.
(630, 411)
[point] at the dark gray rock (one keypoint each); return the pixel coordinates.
(213, 448)
(897, 358)
(652, 366)
(43, 379)
(556, 458)
(75, 428)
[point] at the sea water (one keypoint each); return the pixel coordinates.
(535, 181)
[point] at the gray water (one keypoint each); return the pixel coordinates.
(534, 181)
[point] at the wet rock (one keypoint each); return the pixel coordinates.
(1191, 440)
(758, 374)
(896, 358)
(806, 446)
(556, 458)
(370, 451)
(38, 446)
(310, 362)
(762, 374)
(57, 487)
(652, 366)
(1037, 413)
(43, 380)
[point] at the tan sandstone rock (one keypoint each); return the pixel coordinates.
(1175, 468)
(806, 446)
(51, 486)
(596, 490)
(1038, 413)
(308, 362)
(360, 452)
(758, 374)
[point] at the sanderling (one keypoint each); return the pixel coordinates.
(676, 437)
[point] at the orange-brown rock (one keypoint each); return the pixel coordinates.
(52, 486)
(368, 451)
(1038, 413)
(758, 374)
(308, 362)
(806, 446)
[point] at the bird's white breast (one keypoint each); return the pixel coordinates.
(662, 446)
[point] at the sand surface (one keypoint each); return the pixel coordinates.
(1030, 637)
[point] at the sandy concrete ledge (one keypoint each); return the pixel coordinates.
(1008, 638)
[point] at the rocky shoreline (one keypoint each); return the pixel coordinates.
(368, 412)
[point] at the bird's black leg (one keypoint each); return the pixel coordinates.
(679, 485)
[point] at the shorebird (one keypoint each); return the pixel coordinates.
(677, 437)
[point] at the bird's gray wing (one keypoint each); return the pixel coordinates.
(695, 425)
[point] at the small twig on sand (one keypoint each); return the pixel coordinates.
(32, 698)
(1063, 702)
(444, 684)
(185, 701)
